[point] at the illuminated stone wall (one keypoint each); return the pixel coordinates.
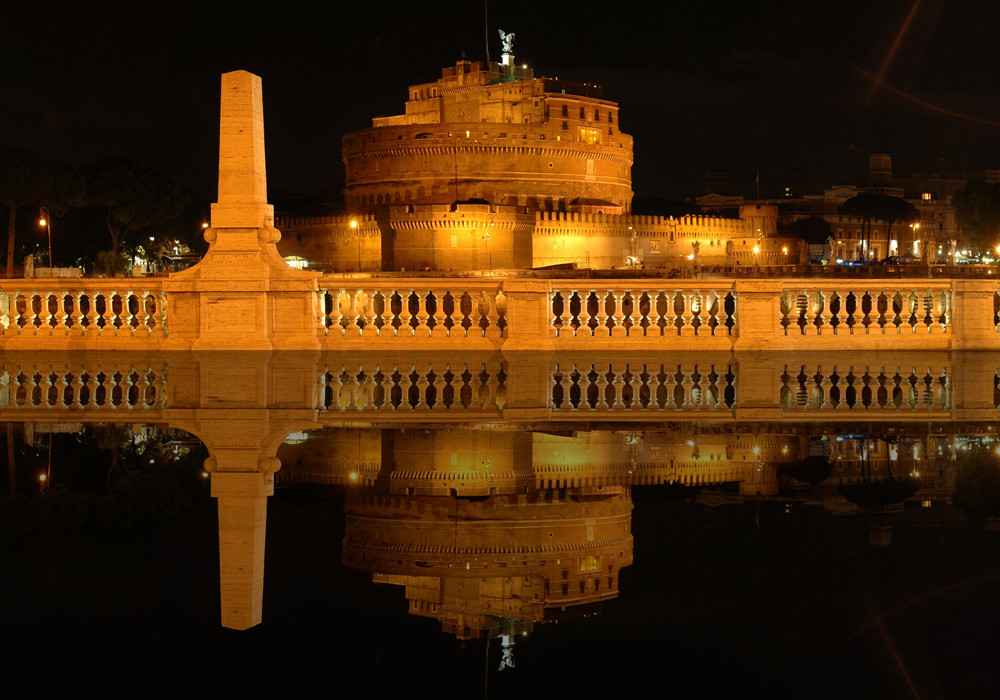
(483, 132)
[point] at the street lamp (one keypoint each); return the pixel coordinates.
(354, 227)
(46, 221)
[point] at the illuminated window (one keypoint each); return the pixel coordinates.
(926, 196)
(590, 135)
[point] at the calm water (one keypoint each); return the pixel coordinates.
(704, 558)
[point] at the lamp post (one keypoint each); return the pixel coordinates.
(46, 221)
(354, 228)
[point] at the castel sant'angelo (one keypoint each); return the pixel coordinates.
(493, 168)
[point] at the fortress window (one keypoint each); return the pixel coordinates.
(565, 111)
(583, 115)
(611, 117)
(565, 126)
(597, 115)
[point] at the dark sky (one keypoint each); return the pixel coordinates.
(775, 85)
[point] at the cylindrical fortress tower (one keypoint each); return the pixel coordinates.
(496, 134)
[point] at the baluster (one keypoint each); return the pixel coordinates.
(30, 385)
(602, 386)
(93, 384)
(335, 384)
(704, 396)
(351, 326)
(688, 383)
(554, 377)
(61, 384)
(126, 387)
(384, 388)
(422, 330)
(618, 315)
(439, 385)
(687, 316)
(368, 387)
(45, 401)
(492, 314)
(618, 369)
(351, 389)
(555, 320)
(78, 387)
(130, 319)
(711, 390)
(422, 370)
(697, 315)
(61, 316)
(448, 307)
(142, 387)
(369, 330)
(405, 382)
(634, 316)
(336, 316)
(602, 330)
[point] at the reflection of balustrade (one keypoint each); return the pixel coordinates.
(626, 312)
(882, 309)
(642, 387)
(868, 389)
(97, 310)
(420, 386)
(412, 310)
(95, 386)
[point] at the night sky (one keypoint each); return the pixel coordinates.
(779, 86)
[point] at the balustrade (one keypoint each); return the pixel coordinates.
(113, 387)
(624, 386)
(629, 312)
(413, 311)
(94, 311)
(829, 310)
(865, 389)
(414, 386)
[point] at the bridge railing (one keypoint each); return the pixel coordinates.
(639, 312)
(59, 310)
(465, 312)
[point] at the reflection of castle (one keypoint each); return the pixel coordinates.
(491, 167)
(473, 563)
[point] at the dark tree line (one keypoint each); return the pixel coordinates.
(130, 198)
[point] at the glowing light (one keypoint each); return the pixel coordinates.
(42, 222)
(756, 449)
(354, 223)
(42, 477)
(354, 476)
(756, 249)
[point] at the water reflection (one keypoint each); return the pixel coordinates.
(497, 492)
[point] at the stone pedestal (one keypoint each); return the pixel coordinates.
(528, 316)
(243, 294)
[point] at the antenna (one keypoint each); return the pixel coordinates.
(486, 27)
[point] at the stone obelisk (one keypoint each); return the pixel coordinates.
(243, 295)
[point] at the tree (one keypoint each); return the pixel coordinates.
(815, 229)
(879, 207)
(134, 196)
(29, 178)
(977, 211)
